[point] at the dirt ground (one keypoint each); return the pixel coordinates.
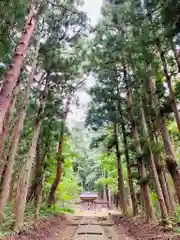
(88, 225)
(54, 228)
(138, 229)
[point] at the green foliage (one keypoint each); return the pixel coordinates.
(110, 182)
(68, 189)
(172, 127)
(177, 217)
(125, 50)
(12, 14)
(155, 204)
(7, 227)
(54, 209)
(177, 91)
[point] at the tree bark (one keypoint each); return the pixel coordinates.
(9, 115)
(130, 179)
(38, 196)
(160, 196)
(171, 195)
(171, 162)
(120, 173)
(4, 133)
(9, 158)
(11, 191)
(169, 206)
(32, 190)
(176, 53)
(12, 75)
(116, 200)
(172, 97)
(163, 209)
(25, 176)
(142, 171)
(162, 179)
(24, 179)
(51, 198)
(106, 190)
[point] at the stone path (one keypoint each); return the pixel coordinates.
(96, 228)
(82, 226)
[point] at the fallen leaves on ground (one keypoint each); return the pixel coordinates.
(137, 228)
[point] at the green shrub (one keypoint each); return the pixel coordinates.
(54, 209)
(44, 212)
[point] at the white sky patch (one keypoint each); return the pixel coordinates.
(78, 113)
(93, 9)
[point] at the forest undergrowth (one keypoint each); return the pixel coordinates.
(7, 228)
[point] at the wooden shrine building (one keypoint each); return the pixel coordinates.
(88, 199)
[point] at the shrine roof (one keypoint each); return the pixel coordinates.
(88, 195)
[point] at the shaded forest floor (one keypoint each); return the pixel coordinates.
(137, 228)
(53, 228)
(93, 226)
